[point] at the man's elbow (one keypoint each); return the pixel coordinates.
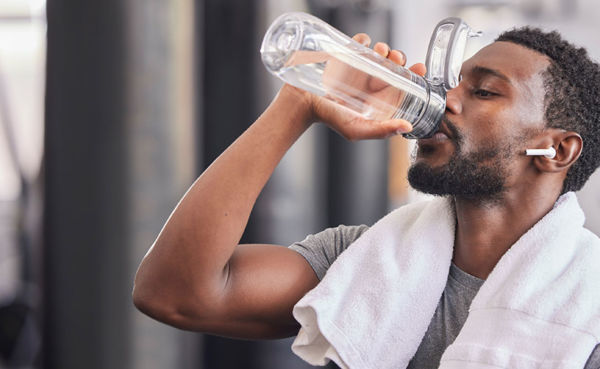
(149, 303)
(143, 301)
(165, 293)
(182, 313)
(163, 310)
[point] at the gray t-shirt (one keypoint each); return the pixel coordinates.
(321, 250)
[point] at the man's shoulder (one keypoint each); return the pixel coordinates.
(322, 249)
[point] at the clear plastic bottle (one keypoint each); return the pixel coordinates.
(310, 54)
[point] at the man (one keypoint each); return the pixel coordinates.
(528, 89)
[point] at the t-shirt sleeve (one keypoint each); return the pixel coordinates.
(594, 359)
(321, 249)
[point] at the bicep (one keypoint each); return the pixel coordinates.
(264, 282)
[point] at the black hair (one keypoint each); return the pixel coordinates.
(572, 95)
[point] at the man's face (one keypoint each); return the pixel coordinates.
(497, 107)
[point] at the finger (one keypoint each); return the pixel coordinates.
(398, 126)
(419, 69)
(378, 129)
(382, 49)
(362, 38)
(397, 57)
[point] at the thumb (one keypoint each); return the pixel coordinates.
(419, 69)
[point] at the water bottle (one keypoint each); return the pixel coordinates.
(310, 54)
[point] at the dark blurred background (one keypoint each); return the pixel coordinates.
(110, 109)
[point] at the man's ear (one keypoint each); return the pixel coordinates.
(568, 146)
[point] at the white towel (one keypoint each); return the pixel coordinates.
(375, 302)
(539, 308)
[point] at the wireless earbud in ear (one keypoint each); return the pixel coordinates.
(550, 152)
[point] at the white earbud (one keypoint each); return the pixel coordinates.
(550, 152)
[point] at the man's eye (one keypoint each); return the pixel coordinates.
(484, 93)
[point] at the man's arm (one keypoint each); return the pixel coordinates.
(196, 276)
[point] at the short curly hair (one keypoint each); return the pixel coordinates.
(572, 95)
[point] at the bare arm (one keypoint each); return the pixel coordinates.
(196, 276)
(191, 278)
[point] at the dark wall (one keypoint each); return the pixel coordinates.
(85, 299)
(229, 58)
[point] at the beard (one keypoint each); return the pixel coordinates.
(479, 175)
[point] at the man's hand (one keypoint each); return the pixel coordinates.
(346, 122)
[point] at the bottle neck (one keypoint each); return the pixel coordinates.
(432, 114)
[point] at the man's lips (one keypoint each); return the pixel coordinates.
(443, 128)
(443, 134)
(439, 136)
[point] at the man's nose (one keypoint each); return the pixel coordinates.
(453, 101)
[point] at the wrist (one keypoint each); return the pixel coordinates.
(297, 103)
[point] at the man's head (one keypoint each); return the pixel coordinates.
(529, 89)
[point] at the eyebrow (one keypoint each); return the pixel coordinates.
(484, 70)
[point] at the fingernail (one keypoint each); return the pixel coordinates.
(403, 55)
(404, 130)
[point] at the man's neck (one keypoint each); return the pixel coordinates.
(486, 230)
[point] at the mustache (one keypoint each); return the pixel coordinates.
(451, 126)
